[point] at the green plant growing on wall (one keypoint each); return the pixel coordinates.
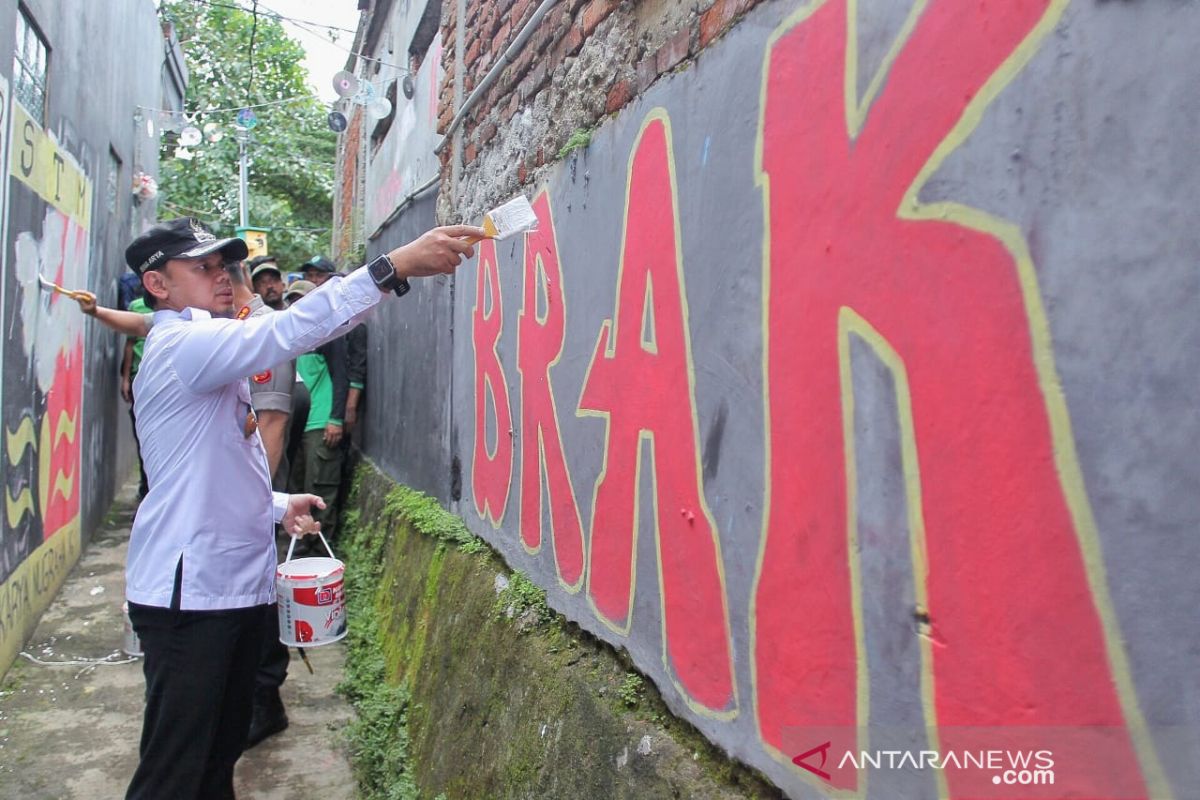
(578, 140)
(630, 690)
(426, 516)
(521, 597)
(378, 735)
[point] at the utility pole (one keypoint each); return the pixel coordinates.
(243, 178)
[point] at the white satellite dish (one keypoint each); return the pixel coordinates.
(379, 108)
(190, 136)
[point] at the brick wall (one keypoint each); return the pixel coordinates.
(586, 59)
(347, 202)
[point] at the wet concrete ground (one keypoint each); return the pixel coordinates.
(70, 731)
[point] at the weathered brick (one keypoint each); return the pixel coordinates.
(520, 10)
(485, 62)
(717, 19)
(620, 94)
(567, 46)
(470, 152)
(534, 81)
(594, 13)
(500, 37)
(673, 50)
(486, 132)
(522, 172)
(647, 71)
(472, 52)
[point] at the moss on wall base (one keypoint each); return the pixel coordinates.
(467, 685)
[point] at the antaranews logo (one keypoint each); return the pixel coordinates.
(990, 763)
(1019, 767)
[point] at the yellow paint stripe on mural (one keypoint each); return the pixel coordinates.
(850, 322)
(37, 161)
(65, 429)
(17, 506)
(27, 592)
(18, 441)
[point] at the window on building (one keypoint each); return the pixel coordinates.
(427, 28)
(29, 66)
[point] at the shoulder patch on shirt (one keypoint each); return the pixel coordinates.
(243, 313)
(263, 377)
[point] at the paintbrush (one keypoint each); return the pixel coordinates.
(515, 216)
(51, 286)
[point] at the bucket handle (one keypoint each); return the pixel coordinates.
(292, 546)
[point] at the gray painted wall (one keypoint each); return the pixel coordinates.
(1010, 419)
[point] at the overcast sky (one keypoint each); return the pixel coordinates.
(323, 57)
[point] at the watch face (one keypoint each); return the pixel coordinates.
(381, 270)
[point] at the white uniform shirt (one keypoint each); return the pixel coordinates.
(210, 501)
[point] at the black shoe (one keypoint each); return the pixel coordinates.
(268, 717)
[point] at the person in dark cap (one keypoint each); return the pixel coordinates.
(318, 269)
(201, 563)
(267, 278)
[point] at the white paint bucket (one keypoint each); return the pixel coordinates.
(312, 599)
(130, 643)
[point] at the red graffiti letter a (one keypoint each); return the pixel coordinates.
(641, 380)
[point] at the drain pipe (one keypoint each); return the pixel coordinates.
(403, 204)
(507, 57)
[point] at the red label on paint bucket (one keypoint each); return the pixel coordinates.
(319, 595)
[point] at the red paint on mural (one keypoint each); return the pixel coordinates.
(540, 345)
(59, 442)
(491, 463)
(1017, 636)
(646, 391)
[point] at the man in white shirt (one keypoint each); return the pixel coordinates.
(201, 564)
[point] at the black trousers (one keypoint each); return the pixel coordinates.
(274, 658)
(199, 668)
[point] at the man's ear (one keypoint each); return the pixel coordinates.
(155, 283)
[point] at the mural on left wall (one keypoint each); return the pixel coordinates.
(41, 402)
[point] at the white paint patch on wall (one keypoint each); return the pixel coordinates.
(52, 323)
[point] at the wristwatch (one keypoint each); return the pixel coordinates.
(385, 277)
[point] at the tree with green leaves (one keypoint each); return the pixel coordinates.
(236, 60)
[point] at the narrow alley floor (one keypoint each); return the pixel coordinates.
(70, 731)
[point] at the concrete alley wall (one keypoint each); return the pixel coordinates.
(849, 381)
(67, 212)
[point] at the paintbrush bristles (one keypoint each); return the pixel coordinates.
(515, 216)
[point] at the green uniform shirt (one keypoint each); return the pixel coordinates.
(139, 344)
(312, 370)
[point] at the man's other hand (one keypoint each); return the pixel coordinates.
(298, 519)
(333, 434)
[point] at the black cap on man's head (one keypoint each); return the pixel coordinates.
(320, 264)
(184, 237)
